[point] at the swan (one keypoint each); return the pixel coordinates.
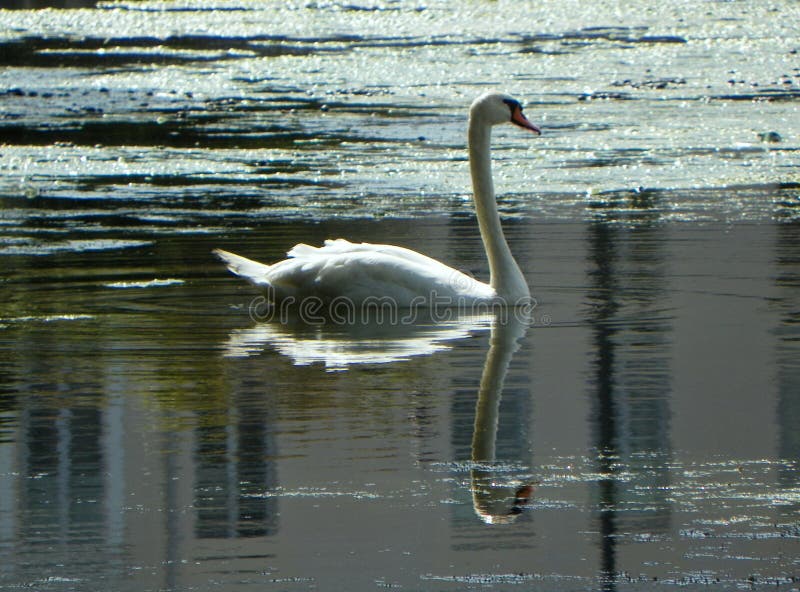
(358, 273)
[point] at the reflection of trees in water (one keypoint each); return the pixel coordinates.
(787, 280)
(232, 474)
(631, 385)
(84, 472)
(74, 455)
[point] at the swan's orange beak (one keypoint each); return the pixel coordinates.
(517, 118)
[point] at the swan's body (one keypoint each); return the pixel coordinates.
(364, 272)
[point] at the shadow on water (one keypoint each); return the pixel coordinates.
(37, 4)
(143, 52)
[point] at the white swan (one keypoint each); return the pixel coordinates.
(360, 273)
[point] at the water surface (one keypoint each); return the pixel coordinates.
(637, 431)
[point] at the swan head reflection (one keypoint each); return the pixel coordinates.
(498, 504)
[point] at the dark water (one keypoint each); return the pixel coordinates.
(35, 4)
(638, 431)
(155, 438)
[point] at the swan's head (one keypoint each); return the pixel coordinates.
(495, 108)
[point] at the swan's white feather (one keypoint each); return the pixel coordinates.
(361, 272)
(253, 271)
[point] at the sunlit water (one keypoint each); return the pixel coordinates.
(637, 431)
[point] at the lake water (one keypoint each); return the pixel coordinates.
(638, 431)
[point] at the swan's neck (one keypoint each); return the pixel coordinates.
(505, 275)
(504, 342)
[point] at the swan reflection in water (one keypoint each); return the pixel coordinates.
(496, 498)
(494, 501)
(371, 339)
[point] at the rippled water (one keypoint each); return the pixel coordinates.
(639, 431)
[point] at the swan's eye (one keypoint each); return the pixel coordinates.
(512, 105)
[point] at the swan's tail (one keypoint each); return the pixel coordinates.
(252, 271)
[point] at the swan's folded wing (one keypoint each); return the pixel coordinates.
(442, 279)
(365, 275)
(342, 246)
